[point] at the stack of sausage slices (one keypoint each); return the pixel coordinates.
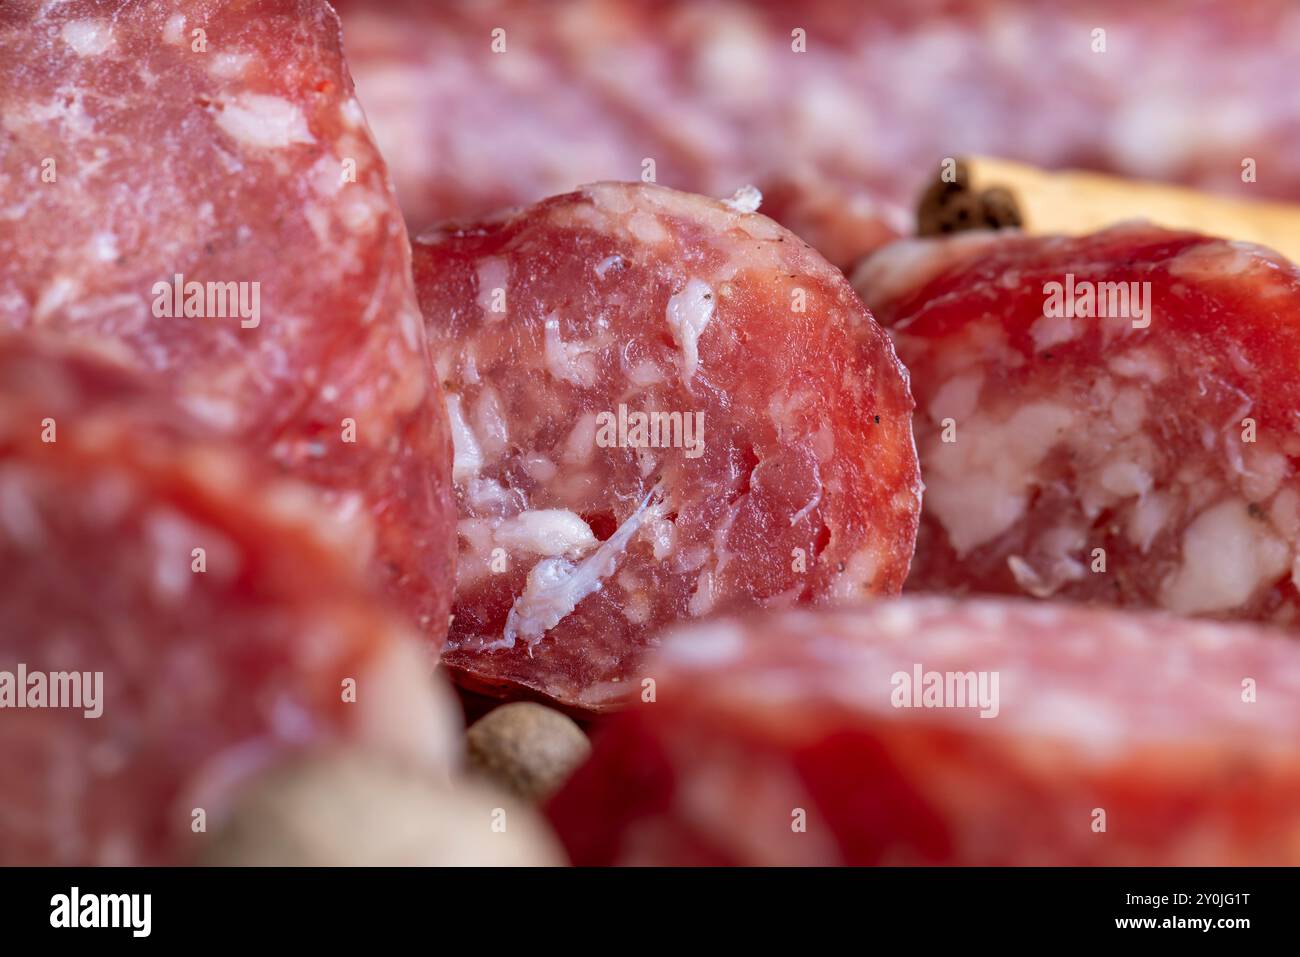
(983, 555)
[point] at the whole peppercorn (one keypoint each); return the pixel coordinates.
(526, 748)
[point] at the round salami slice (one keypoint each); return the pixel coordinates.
(662, 406)
(192, 187)
(927, 730)
(1108, 418)
(175, 620)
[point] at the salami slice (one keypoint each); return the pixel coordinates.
(863, 101)
(927, 730)
(192, 187)
(175, 619)
(663, 406)
(1108, 418)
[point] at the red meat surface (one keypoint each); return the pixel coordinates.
(1116, 455)
(1114, 738)
(791, 480)
(481, 105)
(155, 144)
(223, 610)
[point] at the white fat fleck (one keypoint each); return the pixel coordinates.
(857, 578)
(636, 607)
(493, 274)
(1048, 331)
(490, 423)
(172, 537)
(1284, 513)
(53, 297)
(663, 537)
(570, 361)
(411, 323)
(476, 531)
(1140, 364)
(1223, 259)
(823, 443)
(608, 263)
(689, 312)
(352, 114)
(443, 363)
(581, 441)
(1053, 563)
(977, 486)
(321, 223)
(646, 227)
(1175, 133)
(555, 586)
(645, 374)
(467, 456)
(324, 176)
(897, 619)
(229, 65)
(361, 211)
(546, 531)
(174, 29)
(469, 365)
(734, 63)
(263, 122)
(1122, 478)
(1128, 411)
(896, 269)
(706, 645)
(701, 602)
(488, 494)
(1150, 514)
(67, 109)
(1091, 720)
(350, 525)
(1261, 471)
(1227, 557)
(747, 199)
(539, 468)
(104, 246)
(217, 410)
(88, 37)
(958, 397)
(1027, 580)
(785, 412)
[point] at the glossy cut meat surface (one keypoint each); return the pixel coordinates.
(1049, 735)
(792, 478)
(152, 149)
(202, 616)
(1136, 449)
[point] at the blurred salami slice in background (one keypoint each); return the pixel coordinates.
(176, 620)
(479, 105)
(192, 188)
(927, 730)
(1108, 418)
(663, 406)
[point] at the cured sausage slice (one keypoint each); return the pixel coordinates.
(1109, 418)
(860, 737)
(175, 619)
(662, 406)
(481, 105)
(192, 187)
